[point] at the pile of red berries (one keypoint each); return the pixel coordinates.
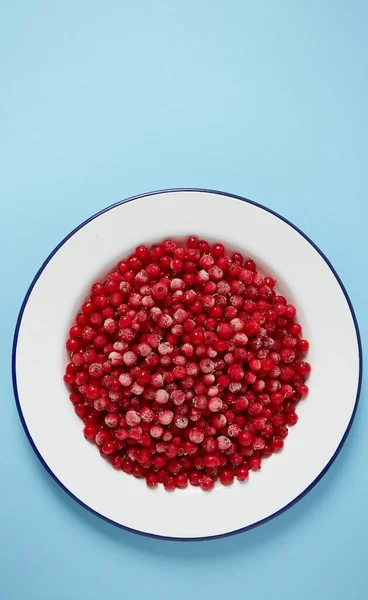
(186, 366)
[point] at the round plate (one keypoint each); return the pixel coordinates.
(303, 273)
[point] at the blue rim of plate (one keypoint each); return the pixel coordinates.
(14, 374)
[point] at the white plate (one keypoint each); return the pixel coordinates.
(39, 358)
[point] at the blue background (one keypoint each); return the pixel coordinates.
(101, 101)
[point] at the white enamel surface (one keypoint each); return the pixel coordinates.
(302, 274)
